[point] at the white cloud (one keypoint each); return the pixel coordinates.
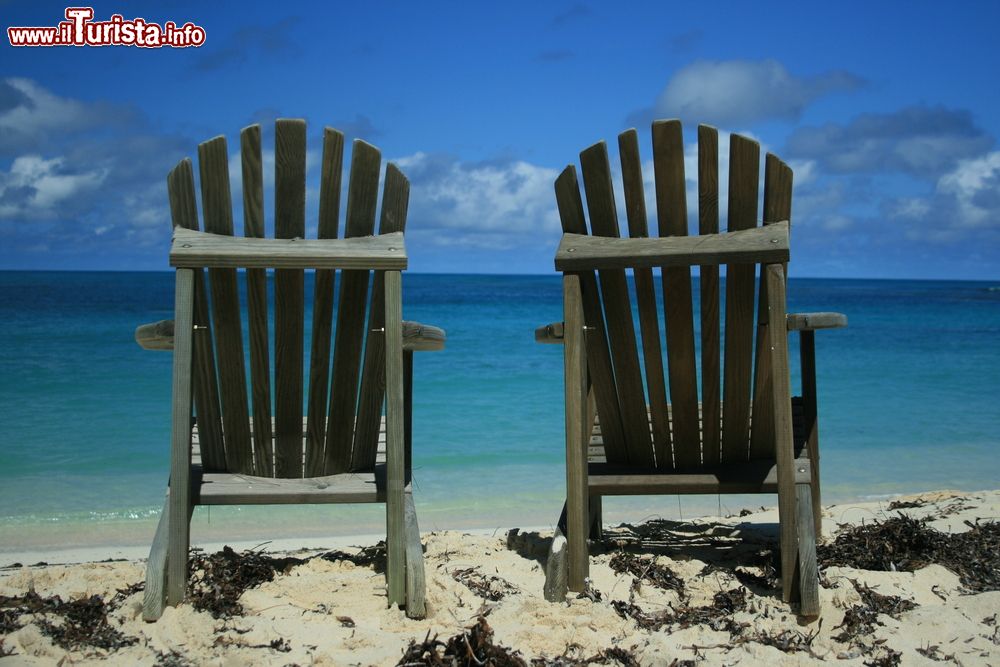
(37, 188)
(733, 92)
(921, 141)
(965, 203)
(973, 184)
(494, 204)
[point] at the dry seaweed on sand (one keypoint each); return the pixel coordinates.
(907, 544)
(718, 615)
(77, 623)
(373, 556)
(886, 657)
(647, 569)
(472, 648)
(488, 587)
(172, 659)
(609, 656)
(8, 621)
(218, 580)
(861, 619)
(907, 504)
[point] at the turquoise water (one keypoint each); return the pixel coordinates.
(908, 402)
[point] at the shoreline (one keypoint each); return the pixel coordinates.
(130, 540)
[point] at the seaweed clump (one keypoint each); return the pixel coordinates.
(718, 615)
(907, 544)
(374, 556)
(473, 647)
(70, 624)
(861, 619)
(218, 580)
(647, 569)
(490, 587)
(615, 655)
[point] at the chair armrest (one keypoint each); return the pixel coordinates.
(156, 335)
(416, 336)
(813, 321)
(419, 337)
(191, 249)
(551, 334)
(760, 245)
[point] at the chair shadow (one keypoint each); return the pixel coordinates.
(747, 551)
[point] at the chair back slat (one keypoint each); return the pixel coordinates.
(777, 207)
(216, 206)
(645, 293)
(744, 170)
(260, 366)
(362, 199)
(708, 223)
(184, 213)
(602, 375)
(319, 356)
(617, 309)
(395, 200)
(671, 207)
(289, 300)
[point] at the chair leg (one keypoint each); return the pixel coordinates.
(395, 454)
(808, 576)
(155, 597)
(577, 434)
(415, 584)
(557, 565)
(179, 503)
(596, 518)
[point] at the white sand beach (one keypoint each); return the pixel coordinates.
(333, 612)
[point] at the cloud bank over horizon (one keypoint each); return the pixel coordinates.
(885, 185)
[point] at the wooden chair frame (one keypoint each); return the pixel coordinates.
(265, 461)
(681, 448)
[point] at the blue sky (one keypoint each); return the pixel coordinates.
(888, 112)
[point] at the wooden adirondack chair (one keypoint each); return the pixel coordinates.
(344, 450)
(638, 442)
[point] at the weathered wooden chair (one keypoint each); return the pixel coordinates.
(344, 450)
(754, 438)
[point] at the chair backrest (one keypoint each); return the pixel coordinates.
(341, 430)
(686, 433)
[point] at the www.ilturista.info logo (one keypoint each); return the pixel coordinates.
(79, 29)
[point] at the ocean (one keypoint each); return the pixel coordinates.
(907, 394)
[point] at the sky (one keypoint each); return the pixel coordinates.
(888, 112)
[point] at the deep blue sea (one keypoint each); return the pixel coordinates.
(908, 399)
